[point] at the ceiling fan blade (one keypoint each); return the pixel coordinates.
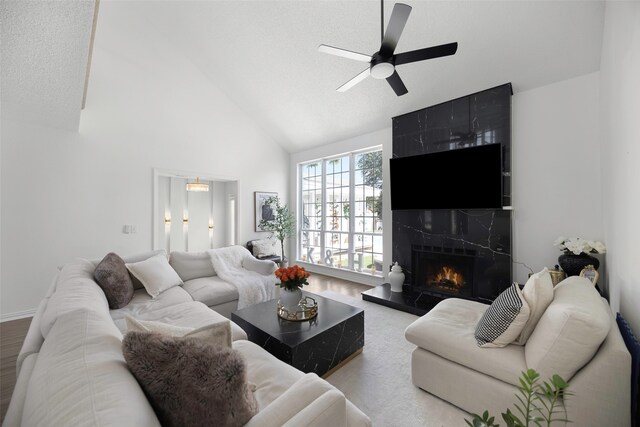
(396, 84)
(396, 24)
(354, 81)
(344, 53)
(426, 53)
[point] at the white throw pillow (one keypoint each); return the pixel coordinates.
(538, 292)
(191, 265)
(504, 320)
(215, 333)
(266, 247)
(155, 274)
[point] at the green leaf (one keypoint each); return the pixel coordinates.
(525, 385)
(559, 382)
(532, 375)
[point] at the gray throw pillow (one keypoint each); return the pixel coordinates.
(190, 382)
(112, 276)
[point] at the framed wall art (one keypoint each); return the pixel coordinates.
(263, 211)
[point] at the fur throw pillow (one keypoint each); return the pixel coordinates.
(190, 382)
(112, 276)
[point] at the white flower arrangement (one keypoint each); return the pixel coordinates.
(577, 246)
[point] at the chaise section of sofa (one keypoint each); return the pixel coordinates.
(576, 337)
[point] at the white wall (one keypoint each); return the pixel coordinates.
(556, 169)
(381, 137)
(620, 89)
(68, 194)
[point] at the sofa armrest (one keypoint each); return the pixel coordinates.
(264, 267)
(298, 397)
(330, 409)
(34, 339)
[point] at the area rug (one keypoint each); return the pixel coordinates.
(378, 381)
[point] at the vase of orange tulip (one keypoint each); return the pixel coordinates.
(292, 279)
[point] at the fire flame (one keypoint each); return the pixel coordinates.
(450, 276)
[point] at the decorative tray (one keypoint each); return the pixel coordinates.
(307, 309)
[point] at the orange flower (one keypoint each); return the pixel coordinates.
(292, 277)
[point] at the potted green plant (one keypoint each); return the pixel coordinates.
(283, 225)
(537, 403)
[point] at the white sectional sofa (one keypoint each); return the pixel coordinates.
(71, 370)
(577, 338)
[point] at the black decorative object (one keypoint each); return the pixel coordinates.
(573, 264)
(382, 63)
(633, 345)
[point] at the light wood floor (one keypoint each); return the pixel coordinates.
(12, 333)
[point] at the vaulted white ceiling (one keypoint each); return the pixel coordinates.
(263, 54)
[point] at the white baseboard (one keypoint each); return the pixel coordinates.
(17, 315)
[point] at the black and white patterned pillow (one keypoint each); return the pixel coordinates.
(504, 320)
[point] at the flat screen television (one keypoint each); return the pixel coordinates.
(467, 178)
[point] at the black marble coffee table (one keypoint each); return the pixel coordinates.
(317, 345)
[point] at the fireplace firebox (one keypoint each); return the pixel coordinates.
(445, 273)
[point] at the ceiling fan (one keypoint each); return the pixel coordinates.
(382, 64)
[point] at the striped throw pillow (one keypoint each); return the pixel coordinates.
(504, 320)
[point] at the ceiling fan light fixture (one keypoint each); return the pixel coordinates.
(382, 70)
(197, 186)
(382, 64)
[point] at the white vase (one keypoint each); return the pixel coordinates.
(396, 278)
(290, 299)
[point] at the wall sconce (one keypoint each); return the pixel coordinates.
(211, 227)
(167, 220)
(185, 220)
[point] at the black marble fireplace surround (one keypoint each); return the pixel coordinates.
(475, 242)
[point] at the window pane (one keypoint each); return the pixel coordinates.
(359, 248)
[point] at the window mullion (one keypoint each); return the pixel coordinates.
(323, 209)
(352, 210)
(300, 221)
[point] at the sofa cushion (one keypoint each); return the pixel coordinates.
(570, 331)
(271, 376)
(211, 290)
(191, 265)
(504, 320)
(192, 314)
(538, 292)
(112, 276)
(142, 303)
(155, 274)
(80, 377)
(189, 381)
(214, 333)
(75, 288)
(302, 405)
(448, 331)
